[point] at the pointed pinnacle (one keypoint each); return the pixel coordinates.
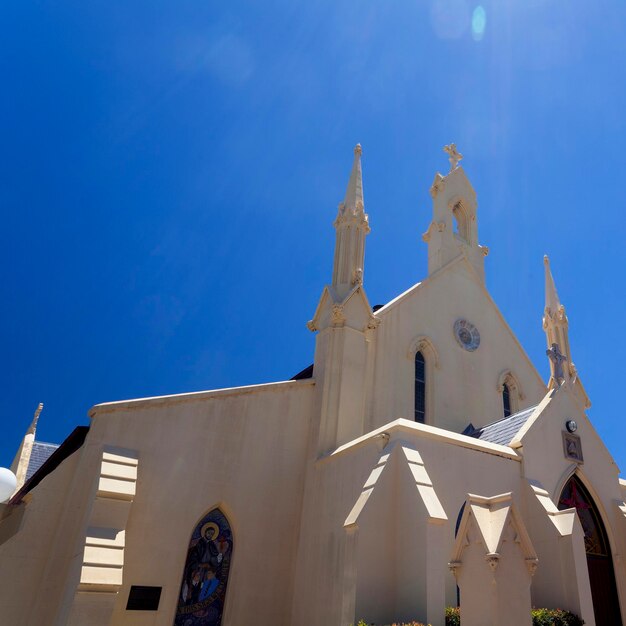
(353, 200)
(33, 427)
(552, 297)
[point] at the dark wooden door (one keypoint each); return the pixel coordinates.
(599, 561)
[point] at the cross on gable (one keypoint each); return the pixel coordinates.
(454, 155)
(557, 357)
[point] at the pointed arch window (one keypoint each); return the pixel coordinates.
(423, 361)
(510, 391)
(506, 400)
(203, 587)
(420, 388)
(599, 559)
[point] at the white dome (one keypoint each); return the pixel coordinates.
(8, 483)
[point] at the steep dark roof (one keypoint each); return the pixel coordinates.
(40, 454)
(503, 431)
(307, 372)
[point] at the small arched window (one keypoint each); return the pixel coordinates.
(510, 391)
(420, 388)
(506, 400)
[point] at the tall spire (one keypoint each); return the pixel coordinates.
(555, 325)
(351, 226)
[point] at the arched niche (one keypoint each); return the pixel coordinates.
(202, 595)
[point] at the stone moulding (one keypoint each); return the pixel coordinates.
(105, 537)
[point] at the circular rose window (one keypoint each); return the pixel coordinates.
(467, 335)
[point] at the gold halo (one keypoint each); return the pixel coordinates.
(212, 526)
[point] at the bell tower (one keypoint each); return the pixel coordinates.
(453, 230)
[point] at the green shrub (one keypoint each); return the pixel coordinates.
(541, 617)
(364, 623)
(453, 616)
(555, 617)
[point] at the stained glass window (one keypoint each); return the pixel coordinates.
(203, 588)
(420, 388)
(576, 496)
(506, 400)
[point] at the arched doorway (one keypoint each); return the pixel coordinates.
(203, 587)
(599, 561)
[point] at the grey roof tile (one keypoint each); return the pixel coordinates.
(503, 431)
(40, 454)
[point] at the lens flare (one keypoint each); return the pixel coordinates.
(479, 21)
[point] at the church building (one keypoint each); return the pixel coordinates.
(419, 463)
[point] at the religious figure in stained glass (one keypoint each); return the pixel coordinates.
(203, 588)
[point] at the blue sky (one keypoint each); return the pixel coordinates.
(170, 173)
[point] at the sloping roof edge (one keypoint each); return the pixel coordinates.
(72, 443)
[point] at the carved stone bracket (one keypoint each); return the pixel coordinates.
(454, 567)
(440, 226)
(373, 323)
(531, 564)
(493, 559)
(357, 277)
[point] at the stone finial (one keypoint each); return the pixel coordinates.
(353, 201)
(33, 427)
(454, 156)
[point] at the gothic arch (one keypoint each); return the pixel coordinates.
(423, 344)
(576, 493)
(462, 218)
(202, 595)
(506, 377)
(577, 470)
